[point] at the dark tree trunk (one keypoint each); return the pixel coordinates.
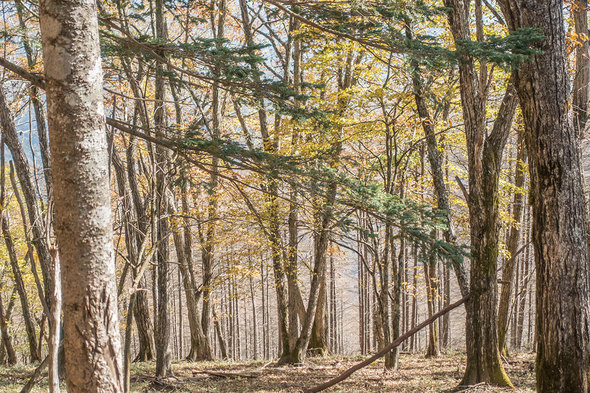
(318, 343)
(559, 234)
(163, 355)
(143, 323)
(9, 351)
(484, 151)
(433, 349)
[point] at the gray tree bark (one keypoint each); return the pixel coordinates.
(71, 53)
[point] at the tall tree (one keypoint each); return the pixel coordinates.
(73, 72)
(163, 354)
(484, 151)
(559, 233)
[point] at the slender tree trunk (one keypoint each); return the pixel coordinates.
(55, 348)
(413, 346)
(12, 141)
(17, 275)
(431, 295)
(143, 323)
(512, 245)
(318, 344)
(218, 330)
(254, 321)
(163, 354)
(200, 348)
(10, 353)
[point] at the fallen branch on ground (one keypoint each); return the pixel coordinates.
(220, 374)
(387, 349)
(35, 377)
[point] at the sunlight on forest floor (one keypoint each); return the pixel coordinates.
(416, 374)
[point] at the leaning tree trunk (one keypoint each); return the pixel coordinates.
(559, 233)
(71, 53)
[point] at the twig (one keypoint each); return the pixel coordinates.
(224, 375)
(463, 189)
(469, 387)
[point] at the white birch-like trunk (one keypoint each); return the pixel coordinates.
(54, 325)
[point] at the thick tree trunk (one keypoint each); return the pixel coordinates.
(559, 233)
(483, 356)
(484, 151)
(71, 52)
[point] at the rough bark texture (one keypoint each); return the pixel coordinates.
(144, 326)
(163, 354)
(71, 53)
(484, 151)
(559, 235)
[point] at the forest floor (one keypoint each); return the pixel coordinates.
(415, 374)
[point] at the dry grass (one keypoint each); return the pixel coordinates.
(415, 374)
